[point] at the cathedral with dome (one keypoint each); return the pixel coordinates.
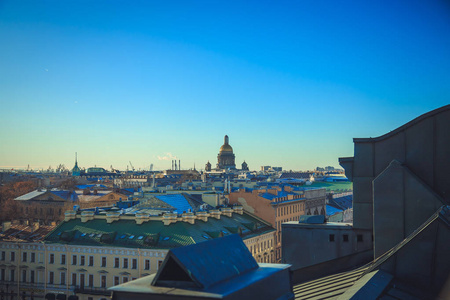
(225, 158)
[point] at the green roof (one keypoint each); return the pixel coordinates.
(154, 234)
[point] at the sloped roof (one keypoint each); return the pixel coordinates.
(129, 234)
(210, 263)
(177, 201)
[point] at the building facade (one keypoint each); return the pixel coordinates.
(280, 204)
(88, 252)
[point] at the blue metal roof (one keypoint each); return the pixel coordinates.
(212, 262)
(176, 200)
(332, 210)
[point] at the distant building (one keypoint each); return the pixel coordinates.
(208, 166)
(225, 158)
(46, 205)
(94, 250)
(244, 166)
(280, 204)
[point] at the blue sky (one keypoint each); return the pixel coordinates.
(291, 82)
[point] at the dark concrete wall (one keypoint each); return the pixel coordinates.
(306, 245)
(422, 145)
(402, 202)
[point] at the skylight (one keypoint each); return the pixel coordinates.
(131, 237)
(140, 237)
(92, 235)
(83, 234)
(123, 236)
(166, 238)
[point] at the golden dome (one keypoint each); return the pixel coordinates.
(226, 148)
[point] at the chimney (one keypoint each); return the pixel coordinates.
(179, 164)
(112, 216)
(141, 218)
(203, 215)
(189, 218)
(6, 226)
(215, 213)
(70, 215)
(35, 227)
(227, 211)
(238, 209)
(169, 218)
(87, 216)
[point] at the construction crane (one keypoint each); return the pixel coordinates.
(131, 165)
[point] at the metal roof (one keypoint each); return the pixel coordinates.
(178, 201)
(210, 263)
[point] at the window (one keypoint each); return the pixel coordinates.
(91, 280)
(359, 238)
(3, 255)
(331, 238)
(74, 259)
(13, 256)
(33, 257)
(74, 279)
(116, 262)
(147, 264)
(63, 259)
(63, 278)
(51, 258)
(82, 260)
(50, 277)
(103, 281)
(103, 261)
(32, 276)
(125, 263)
(124, 279)
(116, 280)
(134, 263)
(345, 237)
(24, 275)
(91, 261)
(12, 275)
(81, 280)
(2, 275)
(24, 257)
(159, 263)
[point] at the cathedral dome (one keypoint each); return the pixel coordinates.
(226, 148)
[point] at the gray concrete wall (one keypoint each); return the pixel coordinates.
(423, 147)
(402, 202)
(304, 245)
(424, 261)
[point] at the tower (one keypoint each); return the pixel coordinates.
(76, 171)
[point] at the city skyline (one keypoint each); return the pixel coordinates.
(290, 83)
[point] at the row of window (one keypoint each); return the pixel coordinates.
(80, 279)
(289, 209)
(80, 260)
(359, 238)
(259, 247)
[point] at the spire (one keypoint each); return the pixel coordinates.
(226, 140)
(76, 159)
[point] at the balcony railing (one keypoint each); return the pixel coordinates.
(92, 290)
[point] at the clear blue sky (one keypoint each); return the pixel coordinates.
(291, 82)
